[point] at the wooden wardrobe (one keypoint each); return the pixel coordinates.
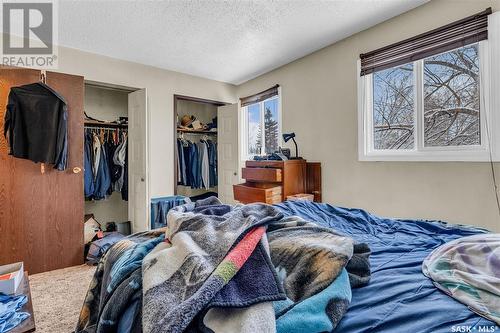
(41, 215)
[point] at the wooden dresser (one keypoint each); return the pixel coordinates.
(272, 181)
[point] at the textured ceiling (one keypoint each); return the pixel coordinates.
(230, 41)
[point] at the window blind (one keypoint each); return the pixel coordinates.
(466, 31)
(259, 97)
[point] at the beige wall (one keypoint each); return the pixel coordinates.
(105, 104)
(161, 86)
(319, 99)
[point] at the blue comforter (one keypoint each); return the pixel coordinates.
(399, 298)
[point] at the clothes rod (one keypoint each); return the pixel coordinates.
(196, 132)
(106, 128)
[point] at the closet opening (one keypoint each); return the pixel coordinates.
(106, 160)
(196, 142)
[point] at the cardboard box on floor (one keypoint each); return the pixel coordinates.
(11, 276)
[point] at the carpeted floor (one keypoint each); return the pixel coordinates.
(58, 296)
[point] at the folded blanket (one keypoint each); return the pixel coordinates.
(468, 269)
(244, 305)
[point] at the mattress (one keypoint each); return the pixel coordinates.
(399, 298)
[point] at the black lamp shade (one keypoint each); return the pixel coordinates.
(291, 136)
(288, 136)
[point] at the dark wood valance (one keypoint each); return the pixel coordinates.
(466, 31)
(259, 97)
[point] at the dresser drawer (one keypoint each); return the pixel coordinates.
(262, 174)
(255, 192)
(264, 164)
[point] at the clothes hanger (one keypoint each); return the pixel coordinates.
(183, 140)
(101, 135)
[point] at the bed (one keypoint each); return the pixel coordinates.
(399, 298)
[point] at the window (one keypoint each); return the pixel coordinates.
(393, 108)
(262, 127)
(430, 109)
(254, 129)
(452, 111)
(433, 97)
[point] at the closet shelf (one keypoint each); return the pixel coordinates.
(93, 123)
(182, 130)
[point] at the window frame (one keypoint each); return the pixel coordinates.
(486, 151)
(245, 155)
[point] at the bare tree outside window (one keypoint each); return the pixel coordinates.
(451, 109)
(451, 98)
(393, 111)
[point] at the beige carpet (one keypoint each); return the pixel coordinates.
(58, 296)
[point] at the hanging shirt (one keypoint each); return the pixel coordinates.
(212, 161)
(119, 159)
(36, 125)
(96, 153)
(88, 174)
(181, 163)
(205, 169)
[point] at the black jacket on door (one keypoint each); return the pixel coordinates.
(36, 123)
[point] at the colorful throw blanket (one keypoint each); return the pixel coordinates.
(210, 243)
(468, 269)
(224, 268)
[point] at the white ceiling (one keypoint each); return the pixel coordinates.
(229, 41)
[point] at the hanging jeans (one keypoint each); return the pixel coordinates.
(193, 167)
(212, 161)
(88, 175)
(187, 162)
(103, 178)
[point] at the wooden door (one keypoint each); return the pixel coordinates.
(41, 215)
